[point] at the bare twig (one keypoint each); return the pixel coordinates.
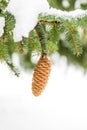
(49, 22)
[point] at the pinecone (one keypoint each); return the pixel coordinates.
(40, 76)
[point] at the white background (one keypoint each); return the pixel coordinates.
(62, 105)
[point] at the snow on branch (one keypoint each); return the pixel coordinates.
(26, 15)
(2, 24)
(78, 13)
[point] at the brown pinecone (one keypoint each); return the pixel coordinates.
(40, 76)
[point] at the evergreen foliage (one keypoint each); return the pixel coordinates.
(51, 34)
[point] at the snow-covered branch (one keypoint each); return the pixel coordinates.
(78, 13)
(26, 15)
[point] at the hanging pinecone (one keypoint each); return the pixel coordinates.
(40, 76)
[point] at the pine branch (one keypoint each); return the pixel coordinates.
(12, 67)
(9, 22)
(73, 38)
(47, 32)
(33, 42)
(41, 36)
(3, 4)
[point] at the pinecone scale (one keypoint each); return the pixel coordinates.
(40, 76)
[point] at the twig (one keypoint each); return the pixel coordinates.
(49, 22)
(74, 41)
(32, 42)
